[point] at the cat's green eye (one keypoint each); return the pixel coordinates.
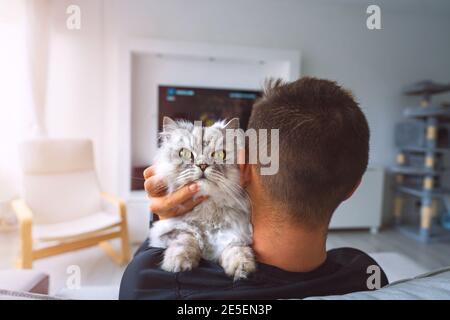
(219, 155)
(186, 154)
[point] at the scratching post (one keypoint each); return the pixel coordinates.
(419, 166)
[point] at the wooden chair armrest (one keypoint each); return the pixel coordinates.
(22, 211)
(25, 219)
(116, 201)
(124, 256)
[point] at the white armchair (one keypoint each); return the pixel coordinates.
(62, 208)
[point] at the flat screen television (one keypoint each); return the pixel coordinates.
(205, 104)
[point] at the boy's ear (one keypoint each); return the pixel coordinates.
(245, 174)
(353, 190)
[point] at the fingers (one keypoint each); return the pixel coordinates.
(190, 204)
(155, 186)
(170, 201)
(182, 208)
(150, 171)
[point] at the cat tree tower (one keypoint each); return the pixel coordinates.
(423, 141)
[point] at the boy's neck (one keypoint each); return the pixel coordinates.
(284, 244)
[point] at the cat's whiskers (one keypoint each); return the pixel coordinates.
(184, 173)
(234, 190)
(184, 177)
(234, 187)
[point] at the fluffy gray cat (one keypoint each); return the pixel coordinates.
(219, 228)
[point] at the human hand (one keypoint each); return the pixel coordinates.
(173, 204)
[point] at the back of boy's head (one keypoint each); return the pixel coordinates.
(323, 146)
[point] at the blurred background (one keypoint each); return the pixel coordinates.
(86, 82)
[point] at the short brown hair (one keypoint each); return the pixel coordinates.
(324, 145)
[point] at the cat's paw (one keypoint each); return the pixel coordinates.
(179, 259)
(238, 262)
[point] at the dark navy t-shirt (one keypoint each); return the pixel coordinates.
(345, 270)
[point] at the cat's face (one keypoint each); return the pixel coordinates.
(195, 153)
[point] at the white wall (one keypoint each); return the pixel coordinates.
(75, 105)
(332, 36)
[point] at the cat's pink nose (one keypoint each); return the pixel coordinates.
(202, 166)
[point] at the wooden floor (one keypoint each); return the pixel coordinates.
(97, 269)
(430, 256)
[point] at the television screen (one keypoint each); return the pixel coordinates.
(206, 105)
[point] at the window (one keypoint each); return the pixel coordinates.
(14, 92)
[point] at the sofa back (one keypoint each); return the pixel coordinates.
(430, 286)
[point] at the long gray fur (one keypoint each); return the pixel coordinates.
(219, 228)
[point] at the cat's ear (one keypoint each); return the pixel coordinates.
(169, 125)
(232, 124)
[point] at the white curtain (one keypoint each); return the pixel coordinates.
(24, 42)
(37, 39)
